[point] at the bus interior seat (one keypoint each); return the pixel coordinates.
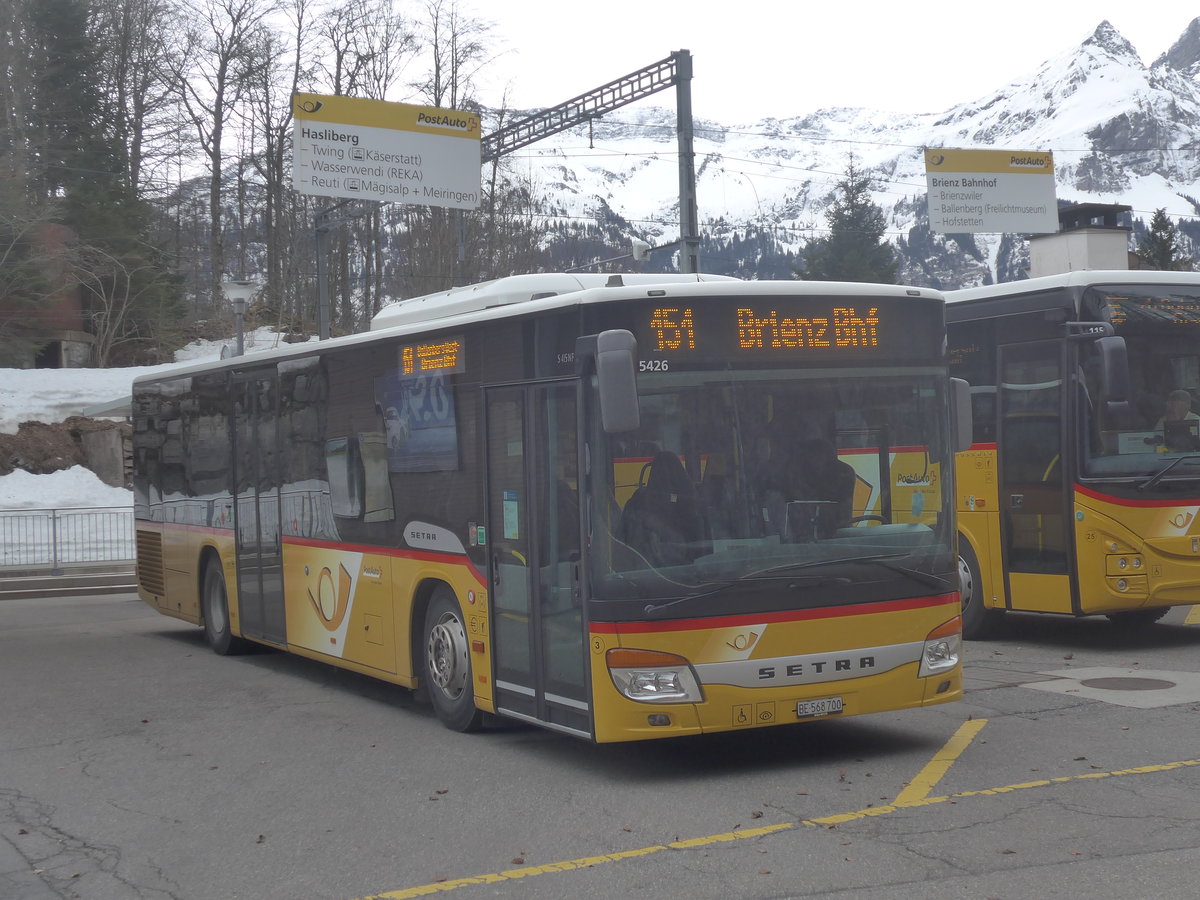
(716, 495)
(842, 482)
(662, 517)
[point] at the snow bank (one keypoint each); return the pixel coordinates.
(76, 486)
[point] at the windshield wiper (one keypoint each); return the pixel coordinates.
(1158, 476)
(810, 581)
(926, 578)
(805, 582)
(888, 562)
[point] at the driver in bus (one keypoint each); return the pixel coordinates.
(809, 490)
(1180, 426)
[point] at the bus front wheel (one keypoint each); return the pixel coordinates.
(214, 601)
(448, 663)
(978, 620)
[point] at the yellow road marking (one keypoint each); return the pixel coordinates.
(438, 887)
(585, 862)
(1193, 616)
(927, 779)
(991, 792)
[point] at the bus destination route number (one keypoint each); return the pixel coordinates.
(435, 356)
(675, 330)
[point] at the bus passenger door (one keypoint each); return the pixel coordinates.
(534, 569)
(1034, 502)
(256, 505)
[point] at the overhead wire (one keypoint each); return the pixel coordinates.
(767, 169)
(777, 165)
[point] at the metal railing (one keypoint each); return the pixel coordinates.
(54, 538)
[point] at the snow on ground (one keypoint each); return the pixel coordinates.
(73, 487)
(53, 395)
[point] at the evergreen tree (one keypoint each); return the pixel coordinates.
(22, 284)
(59, 167)
(854, 249)
(64, 99)
(1160, 247)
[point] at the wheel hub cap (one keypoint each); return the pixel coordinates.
(448, 656)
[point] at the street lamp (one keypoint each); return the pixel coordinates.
(239, 293)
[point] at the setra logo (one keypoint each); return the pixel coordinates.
(330, 601)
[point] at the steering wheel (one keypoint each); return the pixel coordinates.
(871, 517)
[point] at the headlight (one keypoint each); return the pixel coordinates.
(943, 648)
(649, 676)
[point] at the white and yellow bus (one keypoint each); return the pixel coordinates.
(576, 501)
(1081, 491)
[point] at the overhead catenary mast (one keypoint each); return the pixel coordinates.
(675, 70)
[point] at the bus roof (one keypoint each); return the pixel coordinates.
(516, 289)
(525, 288)
(475, 303)
(1078, 278)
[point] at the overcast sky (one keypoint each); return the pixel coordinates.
(759, 58)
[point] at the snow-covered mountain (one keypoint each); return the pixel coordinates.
(1121, 132)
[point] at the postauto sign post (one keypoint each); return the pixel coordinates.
(991, 191)
(358, 149)
(362, 149)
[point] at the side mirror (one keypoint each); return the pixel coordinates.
(1114, 370)
(961, 421)
(614, 354)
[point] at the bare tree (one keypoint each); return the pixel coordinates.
(139, 110)
(454, 47)
(455, 44)
(368, 45)
(115, 288)
(337, 28)
(289, 65)
(216, 63)
(387, 46)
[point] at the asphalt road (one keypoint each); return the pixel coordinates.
(134, 763)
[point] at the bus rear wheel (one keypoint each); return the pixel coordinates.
(448, 663)
(978, 621)
(214, 602)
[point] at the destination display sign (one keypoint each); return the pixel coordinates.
(443, 355)
(674, 328)
(790, 331)
(1156, 307)
(991, 191)
(377, 150)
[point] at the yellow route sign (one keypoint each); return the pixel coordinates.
(378, 150)
(973, 191)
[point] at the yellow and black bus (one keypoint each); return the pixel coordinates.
(621, 507)
(1081, 491)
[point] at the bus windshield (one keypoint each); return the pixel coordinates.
(1161, 424)
(744, 486)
